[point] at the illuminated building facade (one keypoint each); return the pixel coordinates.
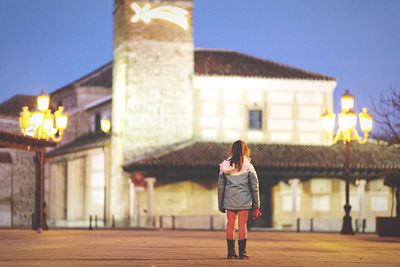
(174, 109)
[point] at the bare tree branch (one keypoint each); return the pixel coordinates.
(387, 115)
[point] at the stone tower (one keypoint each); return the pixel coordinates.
(152, 86)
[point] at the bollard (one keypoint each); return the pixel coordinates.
(33, 221)
(45, 225)
(298, 225)
(311, 224)
(90, 222)
(173, 222)
(364, 225)
(211, 223)
(95, 221)
(113, 221)
(161, 221)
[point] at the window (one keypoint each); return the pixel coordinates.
(255, 119)
(379, 202)
(95, 121)
(287, 202)
(321, 203)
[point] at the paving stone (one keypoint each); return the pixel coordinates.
(191, 248)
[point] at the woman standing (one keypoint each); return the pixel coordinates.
(238, 193)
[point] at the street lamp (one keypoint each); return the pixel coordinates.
(42, 123)
(347, 132)
(105, 125)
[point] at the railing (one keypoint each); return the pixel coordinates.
(218, 222)
(331, 225)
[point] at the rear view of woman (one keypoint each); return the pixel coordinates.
(238, 194)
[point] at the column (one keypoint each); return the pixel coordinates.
(361, 201)
(294, 185)
(131, 202)
(150, 198)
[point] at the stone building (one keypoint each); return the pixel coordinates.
(174, 111)
(17, 170)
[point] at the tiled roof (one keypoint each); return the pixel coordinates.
(232, 63)
(207, 62)
(13, 106)
(213, 62)
(88, 141)
(100, 102)
(104, 79)
(101, 77)
(365, 157)
(11, 140)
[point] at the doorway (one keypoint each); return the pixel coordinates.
(265, 220)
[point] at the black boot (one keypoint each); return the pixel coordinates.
(242, 249)
(231, 249)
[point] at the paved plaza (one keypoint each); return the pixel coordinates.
(191, 248)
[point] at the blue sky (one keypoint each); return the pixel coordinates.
(48, 43)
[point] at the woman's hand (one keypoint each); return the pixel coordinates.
(255, 213)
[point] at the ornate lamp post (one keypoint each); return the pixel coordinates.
(347, 132)
(42, 124)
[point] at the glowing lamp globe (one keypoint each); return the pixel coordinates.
(347, 101)
(37, 118)
(24, 118)
(365, 120)
(347, 120)
(43, 102)
(61, 119)
(352, 119)
(48, 122)
(105, 125)
(328, 121)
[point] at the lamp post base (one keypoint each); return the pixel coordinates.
(347, 228)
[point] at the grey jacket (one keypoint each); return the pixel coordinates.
(238, 192)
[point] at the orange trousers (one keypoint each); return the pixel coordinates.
(230, 226)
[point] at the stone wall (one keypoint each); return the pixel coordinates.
(158, 97)
(17, 193)
(24, 187)
(5, 194)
